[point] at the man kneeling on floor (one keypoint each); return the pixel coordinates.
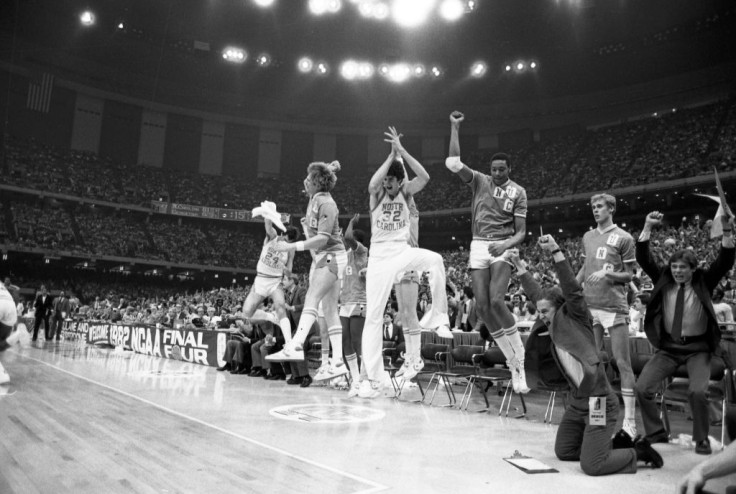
(590, 418)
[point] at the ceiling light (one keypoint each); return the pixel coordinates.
(87, 18)
(322, 68)
(349, 69)
(264, 60)
(436, 71)
(411, 13)
(452, 10)
(419, 70)
(478, 69)
(533, 65)
(318, 7)
(264, 3)
(234, 55)
(399, 73)
(305, 64)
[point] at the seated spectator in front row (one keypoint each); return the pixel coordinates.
(681, 324)
(564, 311)
(637, 311)
(237, 352)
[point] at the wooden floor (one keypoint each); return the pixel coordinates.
(79, 419)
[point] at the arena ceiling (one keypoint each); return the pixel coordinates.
(173, 47)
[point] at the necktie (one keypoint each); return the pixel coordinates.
(385, 332)
(679, 310)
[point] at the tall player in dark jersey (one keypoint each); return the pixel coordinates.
(499, 224)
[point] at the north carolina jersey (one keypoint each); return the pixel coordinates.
(353, 286)
(272, 262)
(322, 219)
(390, 219)
(611, 249)
(413, 222)
(495, 207)
(5, 293)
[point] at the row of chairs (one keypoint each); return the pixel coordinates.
(473, 365)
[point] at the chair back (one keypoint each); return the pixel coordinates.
(433, 355)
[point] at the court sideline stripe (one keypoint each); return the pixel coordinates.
(376, 487)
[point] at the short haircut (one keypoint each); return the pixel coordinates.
(718, 294)
(501, 157)
(396, 170)
(608, 198)
(292, 233)
(684, 255)
(553, 295)
(644, 297)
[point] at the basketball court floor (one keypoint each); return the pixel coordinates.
(81, 419)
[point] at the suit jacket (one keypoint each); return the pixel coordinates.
(397, 335)
(704, 281)
(572, 331)
(43, 308)
(62, 306)
(296, 298)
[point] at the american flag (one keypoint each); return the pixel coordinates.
(39, 93)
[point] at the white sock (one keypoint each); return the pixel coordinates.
(286, 329)
(352, 361)
(415, 335)
(504, 344)
(629, 404)
(514, 339)
(335, 333)
(309, 315)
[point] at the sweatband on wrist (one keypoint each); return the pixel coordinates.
(454, 164)
(555, 251)
(300, 245)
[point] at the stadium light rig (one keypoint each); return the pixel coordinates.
(234, 55)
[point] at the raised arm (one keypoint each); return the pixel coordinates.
(571, 289)
(376, 183)
(417, 183)
(348, 238)
(270, 230)
(531, 287)
(453, 162)
(643, 254)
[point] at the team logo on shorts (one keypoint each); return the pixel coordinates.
(327, 413)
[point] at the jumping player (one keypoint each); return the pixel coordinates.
(499, 224)
(269, 272)
(610, 255)
(330, 258)
(391, 255)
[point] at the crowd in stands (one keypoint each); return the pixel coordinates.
(677, 144)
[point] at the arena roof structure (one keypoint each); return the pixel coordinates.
(288, 55)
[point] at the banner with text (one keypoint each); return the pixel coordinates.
(194, 211)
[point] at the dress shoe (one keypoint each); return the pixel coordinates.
(660, 436)
(294, 380)
(244, 370)
(235, 370)
(256, 372)
(275, 377)
(306, 381)
(647, 454)
(622, 440)
(224, 367)
(703, 447)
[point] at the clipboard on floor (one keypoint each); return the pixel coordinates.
(529, 465)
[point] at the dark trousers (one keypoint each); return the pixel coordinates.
(663, 365)
(237, 353)
(46, 327)
(58, 325)
(591, 444)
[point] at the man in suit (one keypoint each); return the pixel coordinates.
(393, 336)
(61, 310)
(681, 324)
(43, 306)
(294, 294)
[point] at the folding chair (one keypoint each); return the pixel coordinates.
(435, 363)
(487, 371)
(676, 389)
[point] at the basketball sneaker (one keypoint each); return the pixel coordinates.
(334, 369)
(444, 331)
(369, 389)
(518, 376)
(629, 426)
(354, 389)
(405, 366)
(290, 352)
(416, 364)
(321, 374)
